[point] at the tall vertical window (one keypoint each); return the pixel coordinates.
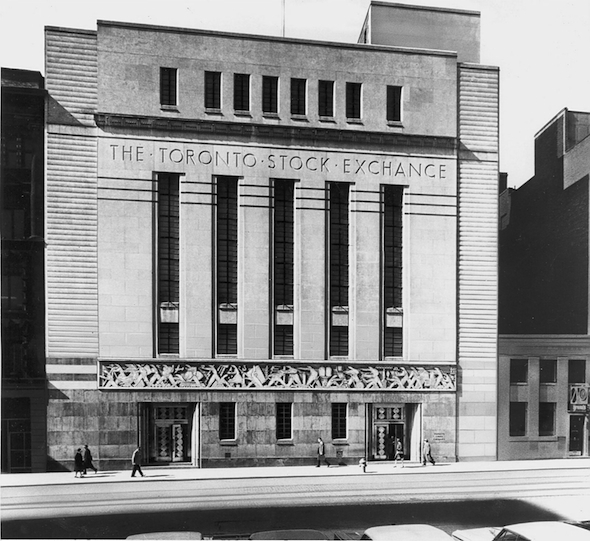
(547, 419)
(212, 90)
(241, 92)
(576, 371)
(227, 421)
(168, 283)
(517, 418)
(519, 371)
(227, 265)
(392, 271)
(283, 222)
(394, 103)
(168, 86)
(548, 370)
(298, 93)
(326, 98)
(284, 420)
(338, 223)
(339, 428)
(270, 94)
(353, 101)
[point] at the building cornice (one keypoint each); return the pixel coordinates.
(263, 132)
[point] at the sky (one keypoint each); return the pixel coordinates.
(542, 47)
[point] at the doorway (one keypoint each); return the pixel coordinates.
(576, 444)
(388, 423)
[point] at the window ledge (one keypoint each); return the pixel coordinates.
(395, 124)
(228, 443)
(340, 443)
(243, 113)
(355, 121)
(285, 442)
(213, 112)
(300, 118)
(169, 108)
(328, 119)
(274, 116)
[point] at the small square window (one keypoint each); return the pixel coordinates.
(326, 98)
(168, 87)
(339, 428)
(241, 92)
(284, 421)
(576, 371)
(212, 90)
(519, 370)
(394, 104)
(548, 371)
(227, 421)
(353, 101)
(270, 94)
(517, 421)
(298, 95)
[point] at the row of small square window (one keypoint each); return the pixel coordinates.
(519, 369)
(284, 421)
(270, 95)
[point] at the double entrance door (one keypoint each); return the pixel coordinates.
(388, 425)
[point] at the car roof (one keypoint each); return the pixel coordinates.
(549, 530)
(290, 534)
(406, 532)
(167, 535)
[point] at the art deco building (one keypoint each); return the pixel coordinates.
(255, 241)
(544, 369)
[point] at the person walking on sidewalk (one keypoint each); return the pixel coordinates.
(427, 453)
(88, 465)
(399, 453)
(136, 461)
(78, 464)
(322, 453)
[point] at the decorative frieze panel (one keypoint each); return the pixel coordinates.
(241, 376)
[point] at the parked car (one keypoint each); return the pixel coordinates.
(181, 535)
(405, 532)
(526, 531)
(278, 535)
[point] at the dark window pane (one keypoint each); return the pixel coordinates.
(241, 92)
(339, 421)
(577, 371)
(168, 86)
(519, 370)
(227, 421)
(548, 370)
(394, 103)
(353, 100)
(298, 90)
(212, 90)
(547, 419)
(284, 421)
(270, 93)
(518, 414)
(326, 98)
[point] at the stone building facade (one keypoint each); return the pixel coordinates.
(253, 242)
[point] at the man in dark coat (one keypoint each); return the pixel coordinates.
(88, 465)
(322, 453)
(136, 461)
(78, 463)
(427, 453)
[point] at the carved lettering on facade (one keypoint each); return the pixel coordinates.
(156, 375)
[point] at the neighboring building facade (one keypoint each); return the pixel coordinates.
(544, 364)
(255, 241)
(24, 396)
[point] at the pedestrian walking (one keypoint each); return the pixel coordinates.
(322, 453)
(78, 463)
(399, 453)
(136, 461)
(88, 465)
(427, 453)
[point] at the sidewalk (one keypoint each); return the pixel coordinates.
(170, 473)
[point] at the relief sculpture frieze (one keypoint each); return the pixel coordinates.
(239, 376)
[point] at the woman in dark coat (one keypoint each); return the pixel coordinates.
(79, 463)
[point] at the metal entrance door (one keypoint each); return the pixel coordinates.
(576, 434)
(171, 433)
(388, 423)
